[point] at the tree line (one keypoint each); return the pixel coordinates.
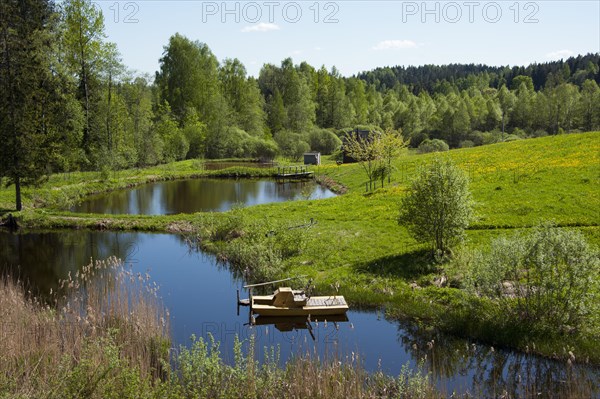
(69, 103)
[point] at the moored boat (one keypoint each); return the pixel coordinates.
(287, 302)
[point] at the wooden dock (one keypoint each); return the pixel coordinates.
(294, 172)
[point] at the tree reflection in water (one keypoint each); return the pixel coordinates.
(485, 371)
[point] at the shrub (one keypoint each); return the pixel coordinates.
(176, 146)
(195, 133)
(438, 206)
(236, 143)
(520, 133)
(511, 137)
(324, 141)
(292, 145)
(490, 137)
(434, 145)
(547, 278)
(266, 150)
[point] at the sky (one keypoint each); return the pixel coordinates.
(356, 36)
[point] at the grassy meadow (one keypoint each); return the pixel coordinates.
(357, 244)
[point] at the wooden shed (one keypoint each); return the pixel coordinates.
(312, 158)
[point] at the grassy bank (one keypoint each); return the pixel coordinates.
(358, 245)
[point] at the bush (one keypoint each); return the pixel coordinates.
(417, 138)
(466, 144)
(434, 145)
(292, 145)
(511, 137)
(266, 150)
(236, 143)
(176, 146)
(520, 133)
(438, 206)
(490, 137)
(324, 141)
(195, 133)
(547, 278)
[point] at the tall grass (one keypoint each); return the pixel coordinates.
(104, 321)
(203, 374)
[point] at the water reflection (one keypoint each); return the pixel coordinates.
(42, 259)
(201, 297)
(286, 324)
(485, 371)
(199, 195)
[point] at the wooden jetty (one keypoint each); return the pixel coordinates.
(294, 172)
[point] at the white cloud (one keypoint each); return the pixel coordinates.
(318, 48)
(560, 54)
(296, 52)
(395, 44)
(262, 27)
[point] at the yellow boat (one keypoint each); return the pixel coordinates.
(287, 302)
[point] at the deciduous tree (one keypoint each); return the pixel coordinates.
(438, 206)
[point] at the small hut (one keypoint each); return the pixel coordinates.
(312, 158)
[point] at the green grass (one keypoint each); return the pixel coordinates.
(357, 242)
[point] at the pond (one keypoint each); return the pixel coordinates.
(199, 195)
(201, 297)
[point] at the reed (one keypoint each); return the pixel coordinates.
(105, 319)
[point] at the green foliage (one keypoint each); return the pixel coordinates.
(392, 145)
(233, 142)
(293, 145)
(171, 136)
(256, 248)
(266, 150)
(243, 97)
(324, 141)
(176, 146)
(87, 57)
(365, 150)
(101, 373)
(547, 278)
(434, 145)
(195, 134)
(188, 78)
(438, 206)
(31, 142)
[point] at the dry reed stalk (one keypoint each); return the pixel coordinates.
(103, 300)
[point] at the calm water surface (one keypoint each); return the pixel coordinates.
(200, 295)
(199, 195)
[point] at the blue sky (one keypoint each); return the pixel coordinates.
(357, 35)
